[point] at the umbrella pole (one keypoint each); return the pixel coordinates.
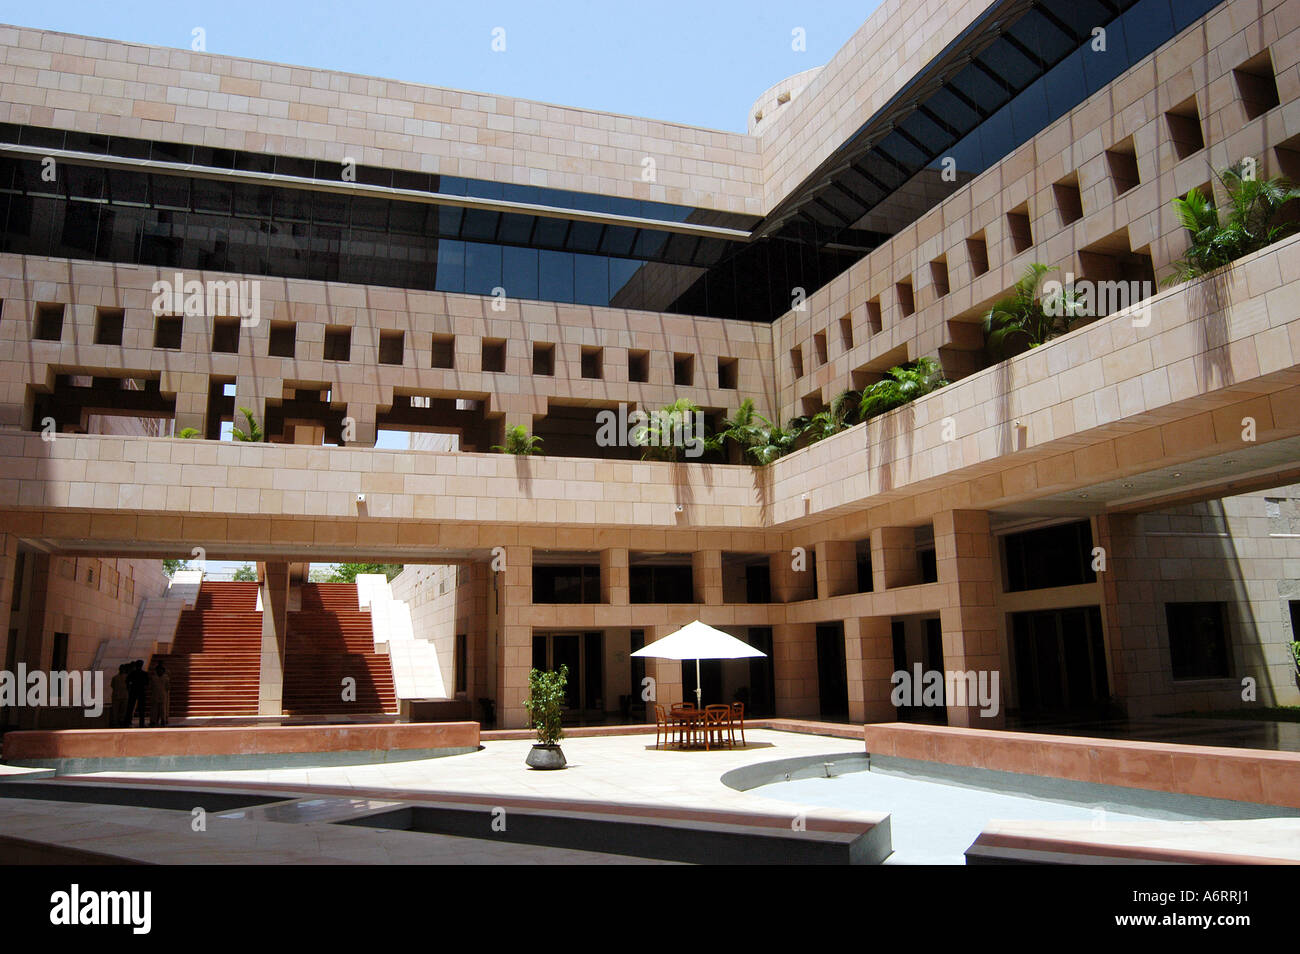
(699, 689)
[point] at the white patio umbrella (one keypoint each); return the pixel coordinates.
(699, 641)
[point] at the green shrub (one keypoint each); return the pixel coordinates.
(545, 703)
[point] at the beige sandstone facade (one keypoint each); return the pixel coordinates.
(1131, 425)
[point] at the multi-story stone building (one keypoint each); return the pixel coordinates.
(1107, 521)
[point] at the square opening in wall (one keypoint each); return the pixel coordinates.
(1018, 227)
(796, 361)
(48, 325)
(977, 250)
(444, 352)
(1122, 161)
(283, 339)
(1257, 85)
(494, 355)
(392, 347)
(939, 276)
(167, 331)
(728, 374)
(875, 321)
(338, 343)
(593, 363)
(638, 366)
(1185, 132)
(819, 348)
(1069, 203)
(108, 325)
(543, 359)
(846, 333)
(225, 336)
(683, 370)
(906, 300)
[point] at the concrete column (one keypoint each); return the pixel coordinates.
(893, 558)
(706, 574)
(837, 568)
(275, 628)
(30, 650)
(869, 648)
(364, 430)
(964, 555)
(791, 583)
(8, 571)
(794, 669)
(516, 653)
(666, 673)
(613, 576)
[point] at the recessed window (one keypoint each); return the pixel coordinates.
(846, 333)
(225, 336)
(1198, 641)
(494, 355)
(906, 300)
(593, 363)
(392, 347)
(167, 331)
(638, 366)
(874, 316)
(1257, 85)
(283, 339)
(49, 323)
(1122, 160)
(1022, 236)
(1069, 203)
(796, 361)
(1185, 132)
(819, 348)
(939, 276)
(444, 351)
(544, 359)
(728, 374)
(338, 343)
(108, 325)
(977, 250)
(683, 370)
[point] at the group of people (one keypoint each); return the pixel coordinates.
(132, 687)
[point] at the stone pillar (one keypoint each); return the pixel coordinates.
(964, 555)
(516, 653)
(8, 571)
(706, 574)
(893, 558)
(613, 577)
(869, 648)
(837, 568)
(666, 673)
(191, 391)
(275, 626)
(364, 431)
(794, 669)
(790, 585)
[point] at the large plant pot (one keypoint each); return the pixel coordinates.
(545, 757)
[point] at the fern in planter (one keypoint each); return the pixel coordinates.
(902, 385)
(1254, 220)
(1026, 318)
(829, 421)
(518, 442)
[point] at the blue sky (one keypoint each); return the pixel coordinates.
(701, 63)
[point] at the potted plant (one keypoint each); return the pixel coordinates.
(544, 704)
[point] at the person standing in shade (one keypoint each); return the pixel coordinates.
(159, 695)
(117, 709)
(137, 686)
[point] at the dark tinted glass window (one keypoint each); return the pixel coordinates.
(1052, 556)
(1198, 641)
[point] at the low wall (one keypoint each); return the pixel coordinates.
(1243, 775)
(90, 750)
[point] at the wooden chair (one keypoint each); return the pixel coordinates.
(738, 722)
(663, 725)
(717, 721)
(685, 729)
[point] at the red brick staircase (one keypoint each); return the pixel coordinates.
(215, 659)
(330, 639)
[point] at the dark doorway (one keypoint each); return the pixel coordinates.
(1060, 660)
(710, 681)
(583, 654)
(832, 672)
(762, 682)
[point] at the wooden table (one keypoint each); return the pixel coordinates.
(694, 724)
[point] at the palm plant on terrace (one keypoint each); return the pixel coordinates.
(902, 385)
(254, 432)
(671, 430)
(771, 440)
(1254, 220)
(1027, 317)
(518, 442)
(832, 419)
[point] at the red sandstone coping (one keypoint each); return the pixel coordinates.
(1001, 845)
(1245, 775)
(802, 726)
(236, 740)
